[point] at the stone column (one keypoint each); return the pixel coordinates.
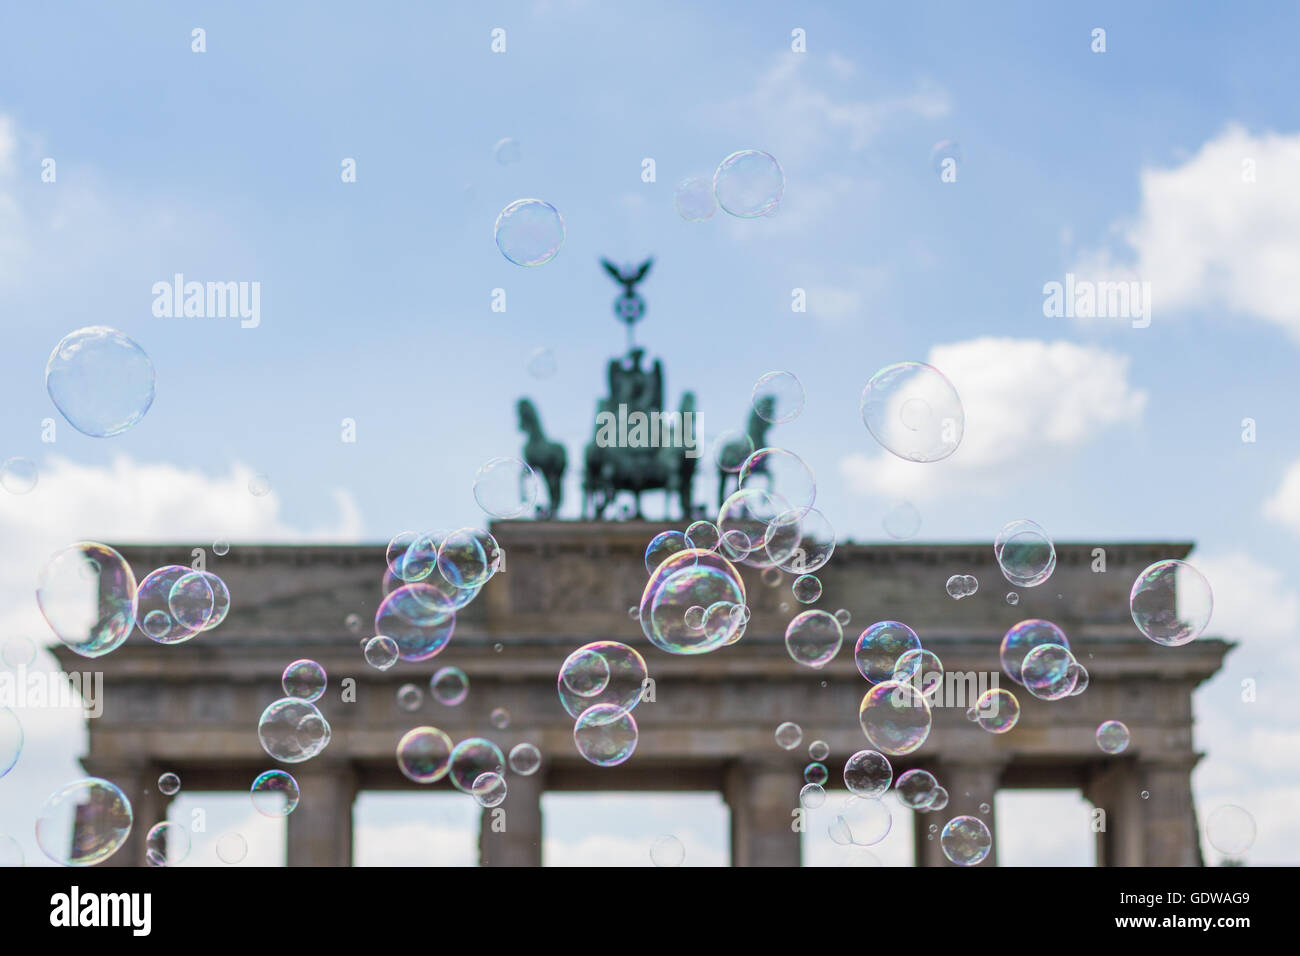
(980, 781)
(320, 829)
(511, 834)
(1116, 788)
(1170, 834)
(762, 797)
(139, 782)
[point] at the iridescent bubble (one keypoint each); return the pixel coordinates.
(580, 678)
(1113, 736)
(1230, 830)
(18, 651)
(895, 718)
(419, 618)
(789, 735)
(304, 679)
(694, 199)
(525, 759)
(748, 184)
(529, 232)
(409, 697)
(1171, 603)
(916, 789)
(667, 850)
(703, 535)
(96, 810)
(192, 600)
(1025, 553)
(784, 472)
(449, 686)
(938, 802)
(813, 638)
(18, 476)
(785, 397)
(605, 735)
(220, 599)
(468, 557)
(771, 576)
(816, 772)
(984, 807)
(843, 616)
(100, 380)
(997, 710)
(11, 740)
(220, 548)
(381, 652)
(663, 546)
(731, 448)
(865, 820)
(500, 718)
(946, 158)
(1079, 675)
(158, 620)
(966, 840)
(470, 759)
(880, 646)
(1013, 598)
(813, 795)
(1049, 671)
(506, 488)
(542, 364)
(292, 730)
(868, 773)
(902, 520)
(1023, 638)
(689, 578)
(169, 784)
(800, 542)
(424, 754)
(489, 789)
(507, 151)
(920, 668)
(167, 844)
(87, 594)
(232, 848)
(913, 411)
(396, 552)
(274, 794)
(11, 854)
(819, 750)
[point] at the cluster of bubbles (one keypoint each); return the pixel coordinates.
(961, 585)
(600, 684)
(748, 184)
(1036, 655)
(88, 595)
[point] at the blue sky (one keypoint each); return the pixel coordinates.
(376, 294)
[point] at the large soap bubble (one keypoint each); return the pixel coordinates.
(601, 673)
(913, 411)
(686, 579)
(293, 730)
(96, 811)
(87, 593)
(1171, 603)
(100, 380)
(749, 184)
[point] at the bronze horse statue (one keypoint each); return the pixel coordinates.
(546, 457)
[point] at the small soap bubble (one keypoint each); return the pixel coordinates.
(694, 199)
(524, 759)
(232, 848)
(507, 151)
(169, 784)
(500, 718)
(789, 735)
(409, 697)
(812, 796)
(381, 652)
(667, 850)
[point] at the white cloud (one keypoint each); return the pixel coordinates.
(1284, 505)
(1207, 239)
(1023, 399)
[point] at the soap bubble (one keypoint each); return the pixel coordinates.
(232, 848)
(1025, 553)
(1079, 675)
(489, 789)
(605, 735)
(381, 652)
(18, 651)
(274, 794)
(694, 199)
(529, 232)
(686, 579)
(11, 854)
(418, 618)
(11, 739)
(1023, 638)
(997, 710)
(703, 535)
(785, 397)
(506, 488)
(816, 772)
(913, 411)
(424, 754)
(864, 820)
(667, 850)
(799, 541)
(1013, 598)
(880, 646)
(812, 796)
(100, 380)
(409, 697)
(813, 638)
(868, 773)
(583, 683)
(938, 802)
(902, 520)
(292, 730)
(663, 546)
(18, 476)
(500, 718)
(449, 686)
(789, 735)
(895, 717)
(169, 784)
(748, 184)
(507, 151)
(304, 679)
(961, 585)
(471, 759)
(966, 841)
(1113, 736)
(920, 668)
(96, 810)
(819, 750)
(167, 844)
(1049, 672)
(916, 789)
(789, 477)
(525, 759)
(1230, 830)
(173, 604)
(220, 548)
(87, 594)
(1171, 603)
(468, 557)
(731, 448)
